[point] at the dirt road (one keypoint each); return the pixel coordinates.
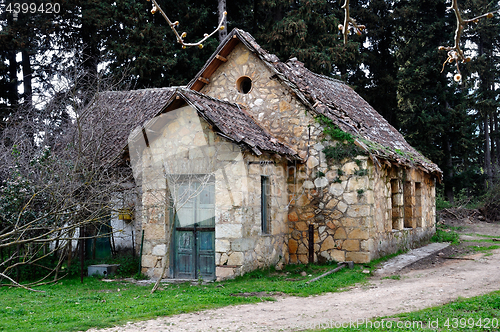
(416, 289)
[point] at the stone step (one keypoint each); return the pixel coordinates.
(397, 263)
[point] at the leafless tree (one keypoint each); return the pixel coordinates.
(56, 181)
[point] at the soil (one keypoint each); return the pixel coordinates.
(456, 271)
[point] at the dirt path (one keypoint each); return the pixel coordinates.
(417, 289)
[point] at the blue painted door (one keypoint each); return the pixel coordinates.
(194, 232)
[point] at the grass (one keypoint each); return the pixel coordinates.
(485, 248)
(479, 313)
(71, 306)
(446, 233)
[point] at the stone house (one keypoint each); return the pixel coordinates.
(255, 158)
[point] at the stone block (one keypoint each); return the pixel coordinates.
(307, 215)
(357, 211)
(336, 189)
(357, 183)
(222, 245)
(159, 250)
(349, 168)
(222, 272)
(328, 244)
(358, 257)
(243, 244)
(312, 162)
(302, 249)
(331, 204)
(304, 259)
(367, 245)
(154, 231)
(350, 198)
(235, 258)
(340, 234)
(293, 217)
(321, 182)
(350, 245)
(229, 231)
(148, 261)
(301, 226)
(358, 234)
(342, 207)
(308, 185)
(336, 214)
(292, 246)
(337, 255)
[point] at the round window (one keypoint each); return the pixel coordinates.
(244, 84)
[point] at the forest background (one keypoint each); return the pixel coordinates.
(395, 64)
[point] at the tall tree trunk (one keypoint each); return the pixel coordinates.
(27, 79)
(13, 92)
(487, 151)
(221, 10)
(448, 185)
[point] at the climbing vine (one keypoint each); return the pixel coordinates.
(344, 147)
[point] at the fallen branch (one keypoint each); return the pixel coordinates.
(340, 267)
(19, 285)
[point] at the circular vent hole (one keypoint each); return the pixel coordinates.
(244, 84)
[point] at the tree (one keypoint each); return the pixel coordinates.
(56, 184)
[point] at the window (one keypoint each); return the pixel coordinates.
(264, 204)
(397, 208)
(418, 204)
(244, 84)
(409, 203)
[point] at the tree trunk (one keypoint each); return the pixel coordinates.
(487, 151)
(13, 94)
(448, 186)
(27, 78)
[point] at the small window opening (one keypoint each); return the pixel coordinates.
(264, 201)
(244, 84)
(397, 208)
(409, 204)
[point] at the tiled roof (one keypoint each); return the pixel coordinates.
(115, 114)
(334, 99)
(236, 124)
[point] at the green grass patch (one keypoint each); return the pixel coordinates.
(446, 233)
(484, 248)
(479, 313)
(483, 235)
(71, 306)
(483, 241)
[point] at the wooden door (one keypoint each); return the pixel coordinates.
(194, 233)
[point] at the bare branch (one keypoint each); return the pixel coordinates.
(349, 23)
(455, 53)
(18, 284)
(180, 37)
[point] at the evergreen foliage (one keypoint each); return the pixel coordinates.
(396, 66)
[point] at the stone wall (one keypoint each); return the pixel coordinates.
(273, 105)
(340, 207)
(405, 211)
(351, 205)
(240, 244)
(182, 143)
